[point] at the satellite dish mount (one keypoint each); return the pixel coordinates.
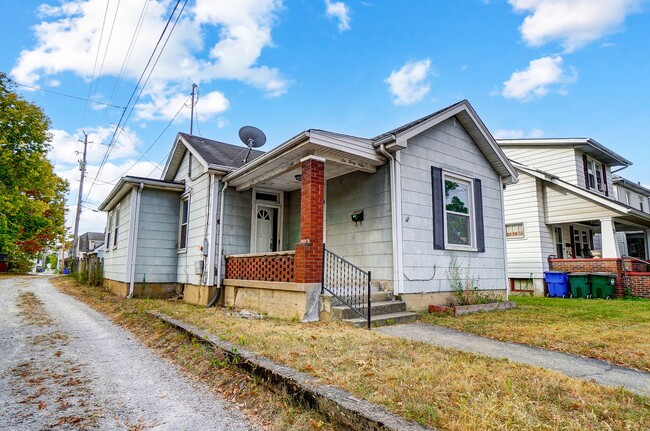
(252, 137)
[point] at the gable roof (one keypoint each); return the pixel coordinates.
(629, 184)
(126, 183)
(213, 155)
(463, 110)
(586, 145)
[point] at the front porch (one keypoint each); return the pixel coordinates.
(291, 216)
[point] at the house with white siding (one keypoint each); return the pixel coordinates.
(260, 233)
(566, 205)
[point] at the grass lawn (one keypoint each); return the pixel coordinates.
(617, 331)
(438, 387)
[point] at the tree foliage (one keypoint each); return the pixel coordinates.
(32, 196)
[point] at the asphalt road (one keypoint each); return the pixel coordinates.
(66, 366)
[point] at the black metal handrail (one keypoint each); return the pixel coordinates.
(348, 283)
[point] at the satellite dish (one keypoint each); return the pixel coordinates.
(252, 137)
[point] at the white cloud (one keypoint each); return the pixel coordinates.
(67, 40)
(408, 85)
(517, 134)
(538, 79)
(574, 23)
(68, 148)
(165, 104)
(340, 11)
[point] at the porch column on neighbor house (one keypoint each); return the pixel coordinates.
(608, 235)
(309, 252)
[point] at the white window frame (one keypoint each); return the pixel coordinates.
(595, 176)
(185, 200)
(109, 232)
(452, 176)
(279, 204)
(116, 225)
(523, 230)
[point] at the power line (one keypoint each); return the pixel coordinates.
(68, 95)
(117, 127)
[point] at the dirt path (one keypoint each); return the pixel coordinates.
(65, 366)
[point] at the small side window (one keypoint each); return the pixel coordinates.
(515, 230)
(182, 230)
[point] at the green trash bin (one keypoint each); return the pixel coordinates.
(580, 286)
(602, 284)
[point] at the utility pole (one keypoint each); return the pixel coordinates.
(194, 87)
(82, 168)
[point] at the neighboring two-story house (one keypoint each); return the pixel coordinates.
(637, 196)
(565, 205)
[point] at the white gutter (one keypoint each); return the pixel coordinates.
(220, 248)
(133, 238)
(395, 222)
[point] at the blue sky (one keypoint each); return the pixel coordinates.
(531, 68)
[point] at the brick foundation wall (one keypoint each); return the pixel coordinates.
(614, 266)
(261, 268)
(637, 279)
(639, 283)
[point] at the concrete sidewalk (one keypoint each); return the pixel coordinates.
(576, 366)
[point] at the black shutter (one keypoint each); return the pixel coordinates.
(584, 163)
(478, 212)
(605, 180)
(438, 209)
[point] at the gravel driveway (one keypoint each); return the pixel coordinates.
(66, 366)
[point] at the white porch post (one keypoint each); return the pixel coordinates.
(608, 234)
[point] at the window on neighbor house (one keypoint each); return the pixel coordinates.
(627, 198)
(559, 243)
(595, 175)
(515, 230)
(591, 175)
(182, 231)
(641, 203)
(582, 242)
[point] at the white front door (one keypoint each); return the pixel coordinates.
(264, 237)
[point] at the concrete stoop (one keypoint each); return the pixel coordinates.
(386, 310)
(341, 407)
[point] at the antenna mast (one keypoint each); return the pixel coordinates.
(194, 86)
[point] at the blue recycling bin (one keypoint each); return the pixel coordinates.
(66, 271)
(558, 283)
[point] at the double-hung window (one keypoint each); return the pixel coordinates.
(457, 212)
(116, 224)
(182, 230)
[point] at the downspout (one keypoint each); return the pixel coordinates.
(217, 293)
(134, 244)
(394, 221)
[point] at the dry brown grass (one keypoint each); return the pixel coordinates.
(616, 331)
(32, 309)
(437, 387)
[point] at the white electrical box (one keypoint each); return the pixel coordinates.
(198, 267)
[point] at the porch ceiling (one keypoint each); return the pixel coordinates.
(279, 168)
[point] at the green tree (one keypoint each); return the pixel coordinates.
(32, 196)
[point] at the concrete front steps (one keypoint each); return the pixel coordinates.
(385, 311)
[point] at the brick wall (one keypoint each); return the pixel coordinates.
(261, 268)
(309, 252)
(638, 281)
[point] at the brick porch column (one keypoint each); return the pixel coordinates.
(309, 252)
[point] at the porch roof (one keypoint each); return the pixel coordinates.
(568, 203)
(277, 168)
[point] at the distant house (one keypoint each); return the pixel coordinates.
(401, 205)
(566, 205)
(632, 243)
(87, 242)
